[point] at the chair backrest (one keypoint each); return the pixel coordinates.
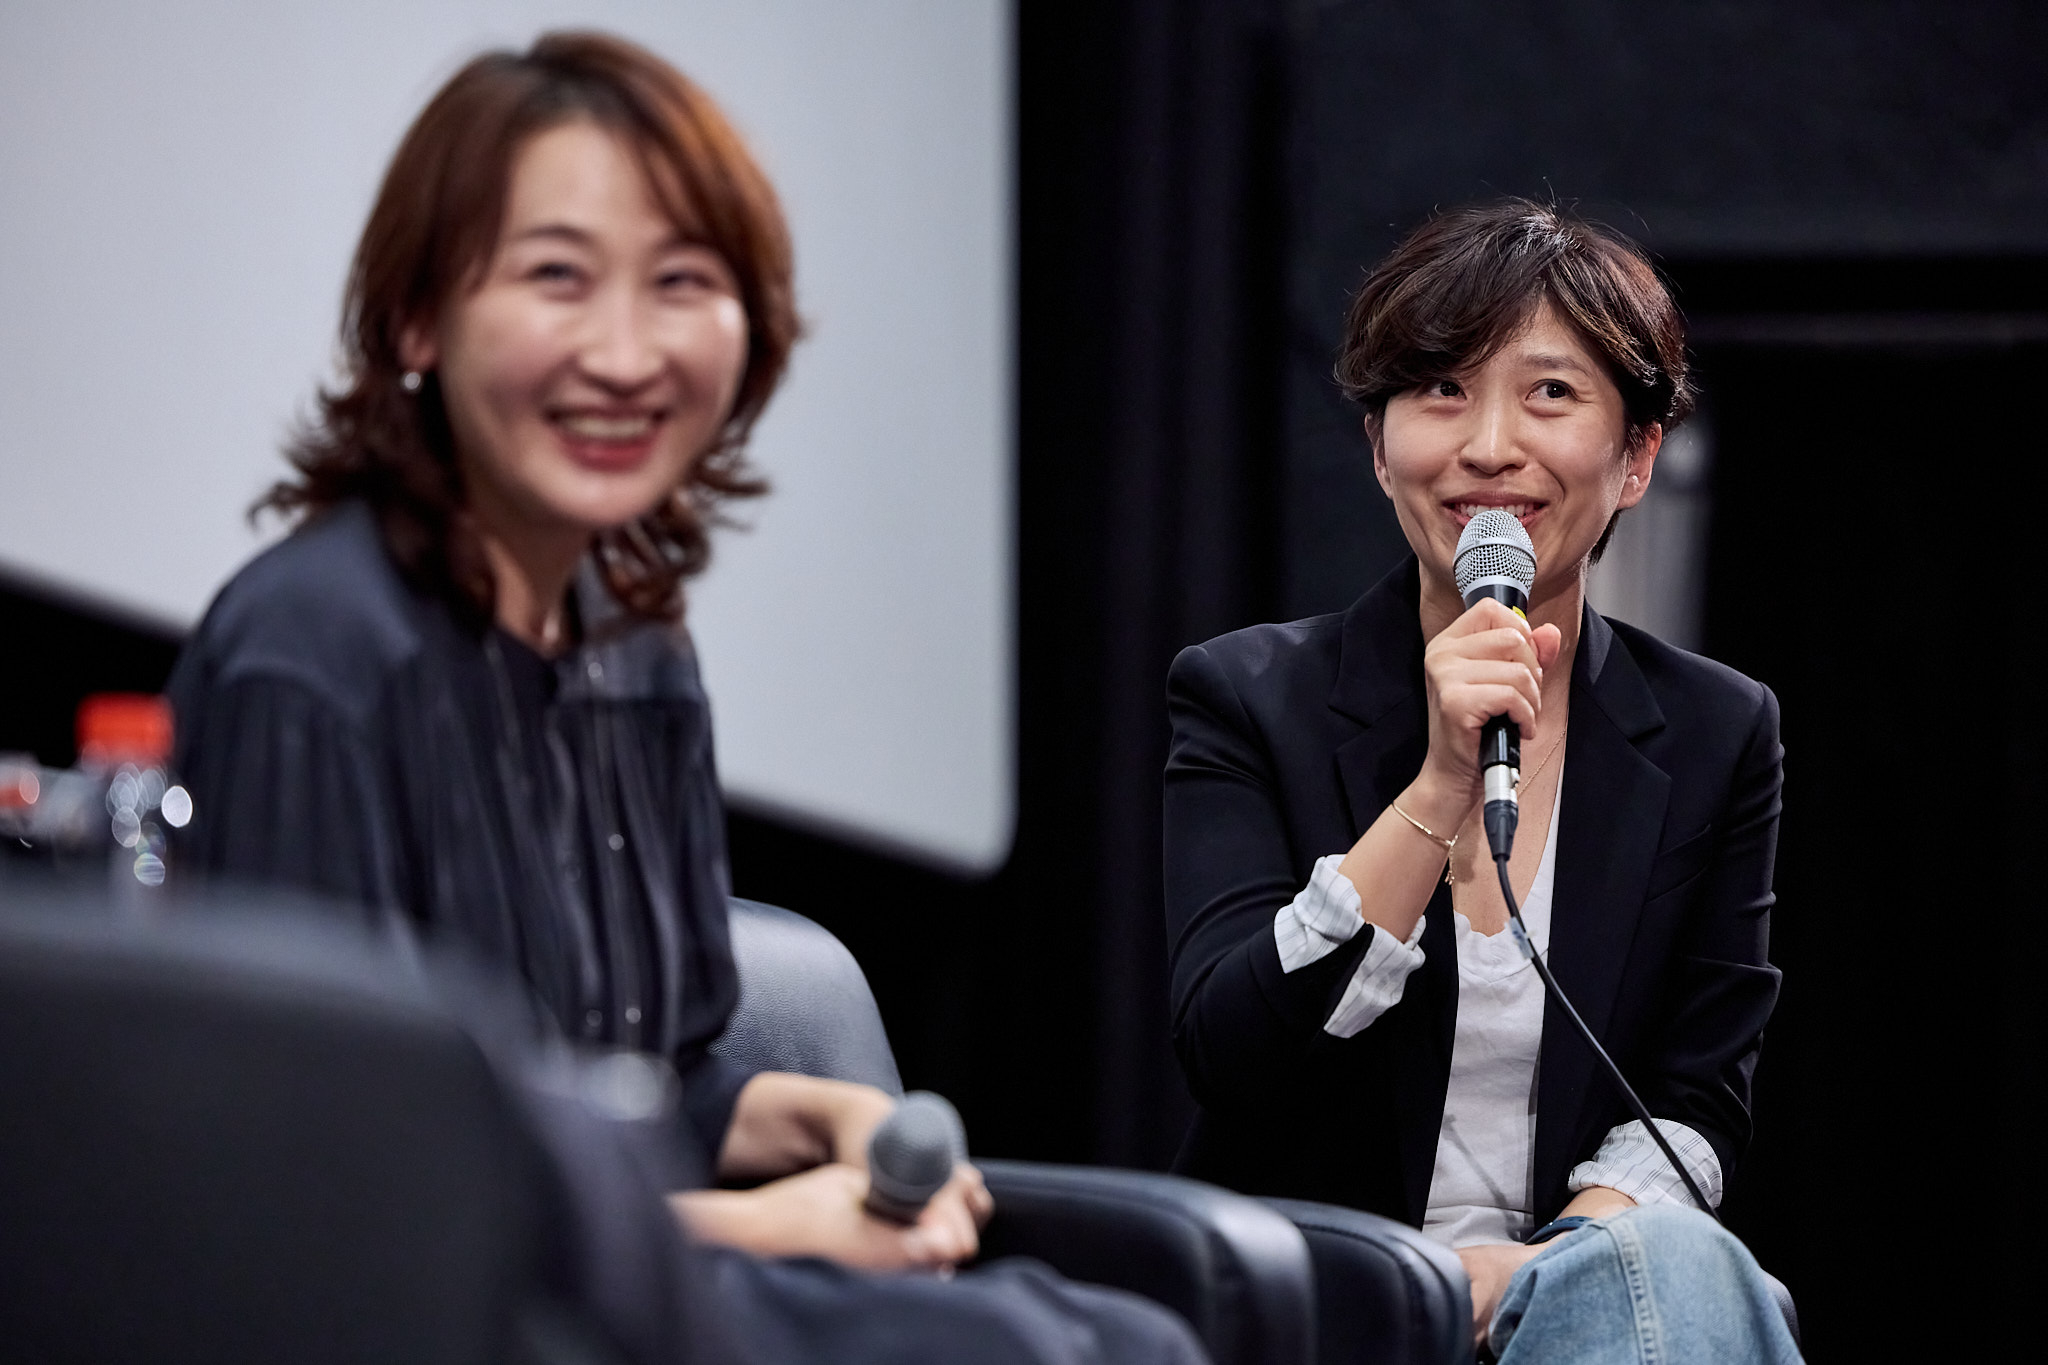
(1384, 1292)
(804, 1002)
(236, 1146)
(1237, 1271)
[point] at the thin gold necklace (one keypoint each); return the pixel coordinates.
(1451, 861)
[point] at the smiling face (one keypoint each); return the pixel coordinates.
(1536, 429)
(597, 355)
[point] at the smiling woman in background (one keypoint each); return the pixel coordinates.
(460, 693)
(460, 690)
(1353, 1020)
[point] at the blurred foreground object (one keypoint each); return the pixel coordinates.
(258, 1129)
(118, 805)
(254, 1131)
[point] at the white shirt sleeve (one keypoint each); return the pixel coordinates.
(1629, 1161)
(1326, 915)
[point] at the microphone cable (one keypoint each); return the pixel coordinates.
(1556, 992)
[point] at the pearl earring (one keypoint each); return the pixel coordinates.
(411, 382)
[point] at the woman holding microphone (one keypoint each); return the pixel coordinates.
(1353, 1019)
(460, 693)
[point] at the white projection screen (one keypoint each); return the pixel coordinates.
(182, 186)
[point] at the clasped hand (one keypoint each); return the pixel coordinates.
(811, 1137)
(822, 1212)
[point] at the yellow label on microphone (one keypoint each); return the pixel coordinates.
(1519, 612)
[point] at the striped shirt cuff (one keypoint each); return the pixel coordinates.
(1323, 917)
(1630, 1161)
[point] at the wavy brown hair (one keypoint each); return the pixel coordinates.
(431, 233)
(1461, 285)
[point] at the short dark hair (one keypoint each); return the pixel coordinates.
(433, 228)
(1462, 284)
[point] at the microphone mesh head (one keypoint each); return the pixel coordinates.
(1494, 546)
(914, 1150)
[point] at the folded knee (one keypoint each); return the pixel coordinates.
(1678, 1229)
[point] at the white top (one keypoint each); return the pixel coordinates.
(1482, 1189)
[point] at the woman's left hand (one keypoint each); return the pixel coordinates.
(814, 1133)
(784, 1123)
(823, 1212)
(1489, 1268)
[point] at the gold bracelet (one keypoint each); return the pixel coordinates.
(1425, 829)
(1450, 845)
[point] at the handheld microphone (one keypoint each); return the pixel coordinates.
(912, 1155)
(1496, 559)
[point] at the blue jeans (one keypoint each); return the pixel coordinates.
(1657, 1285)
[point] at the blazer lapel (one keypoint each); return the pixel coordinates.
(1379, 686)
(1612, 811)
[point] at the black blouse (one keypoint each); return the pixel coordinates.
(344, 732)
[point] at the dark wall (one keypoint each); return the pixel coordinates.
(55, 650)
(1742, 129)
(1907, 1042)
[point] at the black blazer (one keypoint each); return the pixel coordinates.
(1289, 740)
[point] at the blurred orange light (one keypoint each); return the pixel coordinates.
(124, 727)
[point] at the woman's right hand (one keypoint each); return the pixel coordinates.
(1486, 663)
(822, 1212)
(1488, 1268)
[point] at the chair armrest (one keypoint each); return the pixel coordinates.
(1384, 1292)
(1236, 1270)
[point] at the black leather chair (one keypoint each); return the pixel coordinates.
(236, 1138)
(1384, 1292)
(1236, 1270)
(239, 1146)
(1373, 1291)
